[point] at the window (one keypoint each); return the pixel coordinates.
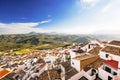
(114, 73)
(109, 78)
(93, 72)
(72, 63)
(89, 46)
(108, 69)
(107, 55)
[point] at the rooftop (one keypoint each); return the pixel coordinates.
(42, 65)
(66, 65)
(52, 74)
(83, 78)
(79, 51)
(88, 61)
(96, 64)
(112, 50)
(9, 76)
(3, 73)
(69, 71)
(114, 42)
(112, 63)
(54, 53)
(95, 51)
(83, 57)
(103, 42)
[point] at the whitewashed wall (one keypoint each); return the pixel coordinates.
(87, 75)
(76, 64)
(63, 70)
(72, 54)
(114, 57)
(103, 74)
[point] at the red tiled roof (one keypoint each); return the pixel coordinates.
(112, 63)
(42, 65)
(3, 73)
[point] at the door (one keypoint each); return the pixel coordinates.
(109, 78)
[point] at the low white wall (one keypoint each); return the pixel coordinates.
(63, 70)
(89, 71)
(87, 75)
(77, 76)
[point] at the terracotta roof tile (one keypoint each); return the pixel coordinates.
(9, 76)
(53, 75)
(88, 61)
(96, 64)
(83, 57)
(83, 78)
(112, 50)
(69, 71)
(112, 63)
(114, 42)
(3, 72)
(95, 51)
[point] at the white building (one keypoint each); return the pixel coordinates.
(76, 52)
(80, 62)
(110, 53)
(110, 69)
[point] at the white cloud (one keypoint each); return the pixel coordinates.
(90, 1)
(103, 17)
(111, 6)
(93, 20)
(87, 4)
(16, 28)
(45, 21)
(107, 8)
(109, 26)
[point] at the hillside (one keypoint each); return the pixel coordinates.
(39, 41)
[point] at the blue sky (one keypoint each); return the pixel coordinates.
(62, 16)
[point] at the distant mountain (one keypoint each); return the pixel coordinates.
(39, 40)
(106, 37)
(32, 33)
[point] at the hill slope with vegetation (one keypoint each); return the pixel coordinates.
(39, 41)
